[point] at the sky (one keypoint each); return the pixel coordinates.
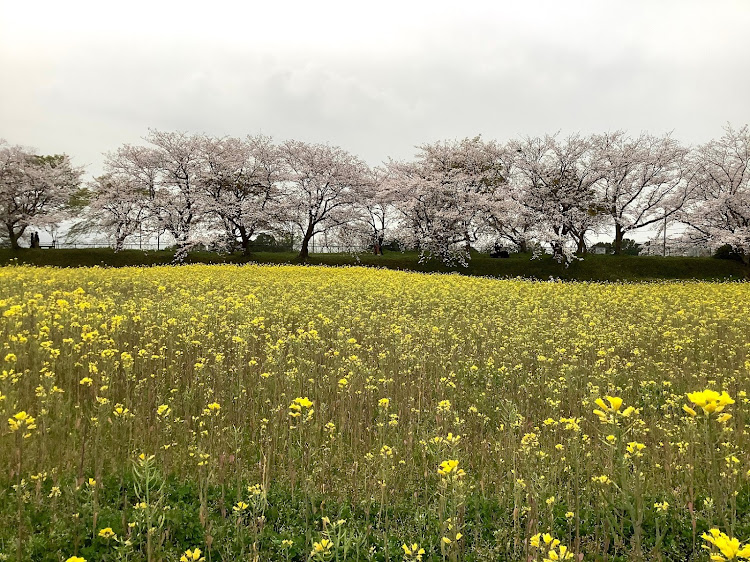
(377, 79)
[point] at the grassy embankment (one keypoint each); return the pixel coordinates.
(591, 268)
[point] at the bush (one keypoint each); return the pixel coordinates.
(727, 252)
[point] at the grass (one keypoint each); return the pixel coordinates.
(591, 268)
(319, 414)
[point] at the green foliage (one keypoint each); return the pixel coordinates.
(727, 252)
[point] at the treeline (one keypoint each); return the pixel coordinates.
(543, 193)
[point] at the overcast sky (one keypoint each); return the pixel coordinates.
(85, 77)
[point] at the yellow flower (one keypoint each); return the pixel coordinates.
(107, 533)
(562, 554)
(450, 469)
(212, 409)
(413, 551)
(609, 413)
(710, 401)
(240, 507)
(76, 559)
(304, 402)
(192, 556)
(321, 547)
(729, 548)
(22, 421)
(384, 403)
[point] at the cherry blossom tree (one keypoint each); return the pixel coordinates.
(319, 187)
(240, 179)
(642, 182)
(123, 200)
(168, 173)
(719, 211)
(34, 190)
(555, 182)
(508, 221)
(119, 206)
(178, 200)
(445, 195)
(376, 206)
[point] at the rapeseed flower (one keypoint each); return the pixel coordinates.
(107, 533)
(412, 551)
(729, 548)
(22, 422)
(193, 555)
(612, 412)
(709, 401)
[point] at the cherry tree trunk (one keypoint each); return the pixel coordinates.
(619, 235)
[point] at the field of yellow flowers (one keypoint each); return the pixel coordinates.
(300, 413)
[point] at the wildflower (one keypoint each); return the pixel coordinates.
(550, 501)
(549, 541)
(120, 411)
(729, 548)
(449, 469)
(634, 449)
(384, 403)
(212, 409)
(22, 422)
(86, 381)
(240, 507)
(609, 413)
(321, 547)
(192, 556)
(107, 533)
(723, 418)
(562, 554)
(661, 507)
(710, 401)
(298, 404)
(412, 552)
(76, 559)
